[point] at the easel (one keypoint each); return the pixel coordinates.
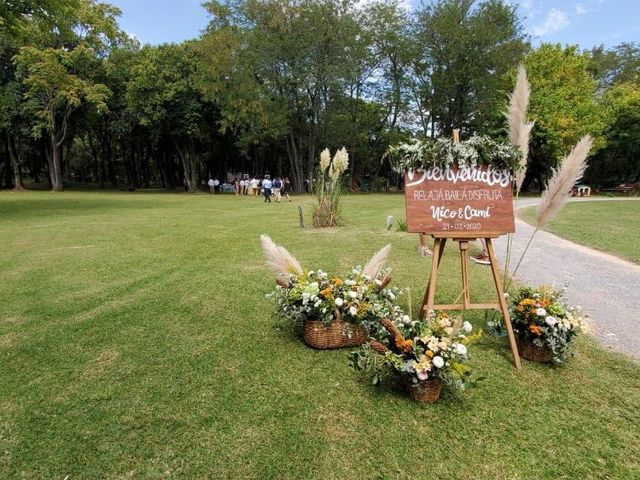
(428, 304)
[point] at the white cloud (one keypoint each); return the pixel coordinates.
(580, 10)
(555, 21)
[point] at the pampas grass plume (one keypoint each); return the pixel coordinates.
(279, 259)
(373, 267)
(519, 128)
(563, 179)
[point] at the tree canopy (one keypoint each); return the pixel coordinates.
(271, 83)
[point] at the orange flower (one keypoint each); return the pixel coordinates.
(535, 329)
(326, 293)
(404, 345)
(429, 354)
(336, 281)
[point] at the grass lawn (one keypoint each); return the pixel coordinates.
(136, 342)
(612, 227)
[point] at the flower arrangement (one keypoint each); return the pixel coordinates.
(317, 299)
(426, 354)
(357, 297)
(540, 318)
(445, 153)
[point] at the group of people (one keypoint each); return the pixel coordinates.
(278, 188)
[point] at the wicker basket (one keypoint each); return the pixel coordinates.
(425, 391)
(337, 334)
(532, 352)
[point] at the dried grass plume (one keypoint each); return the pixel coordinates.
(373, 267)
(519, 128)
(563, 179)
(279, 259)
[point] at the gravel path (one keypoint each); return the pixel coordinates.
(607, 287)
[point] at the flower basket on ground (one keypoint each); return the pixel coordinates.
(336, 311)
(544, 325)
(333, 311)
(426, 355)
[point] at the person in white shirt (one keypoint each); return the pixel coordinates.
(211, 185)
(255, 186)
(266, 188)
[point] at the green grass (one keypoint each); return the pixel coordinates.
(136, 341)
(612, 227)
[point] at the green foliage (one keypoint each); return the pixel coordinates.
(462, 52)
(563, 105)
(619, 160)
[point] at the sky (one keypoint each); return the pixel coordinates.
(586, 23)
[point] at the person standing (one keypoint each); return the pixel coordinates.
(255, 186)
(286, 186)
(216, 185)
(211, 185)
(277, 185)
(266, 188)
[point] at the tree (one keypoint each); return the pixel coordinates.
(563, 105)
(463, 52)
(619, 160)
(162, 96)
(621, 64)
(55, 88)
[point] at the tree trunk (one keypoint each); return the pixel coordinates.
(294, 161)
(55, 164)
(190, 166)
(14, 161)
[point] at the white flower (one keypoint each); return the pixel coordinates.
(353, 311)
(541, 312)
(459, 348)
(405, 319)
(353, 294)
(391, 295)
(445, 322)
(467, 327)
(551, 321)
(438, 362)
(349, 282)
(339, 302)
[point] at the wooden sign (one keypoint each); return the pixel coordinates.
(459, 202)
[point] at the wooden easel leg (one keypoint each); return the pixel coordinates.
(464, 248)
(430, 294)
(503, 302)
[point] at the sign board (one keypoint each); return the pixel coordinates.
(459, 202)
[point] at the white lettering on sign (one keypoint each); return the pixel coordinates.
(457, 195)
(488, 176)
(463, 213)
